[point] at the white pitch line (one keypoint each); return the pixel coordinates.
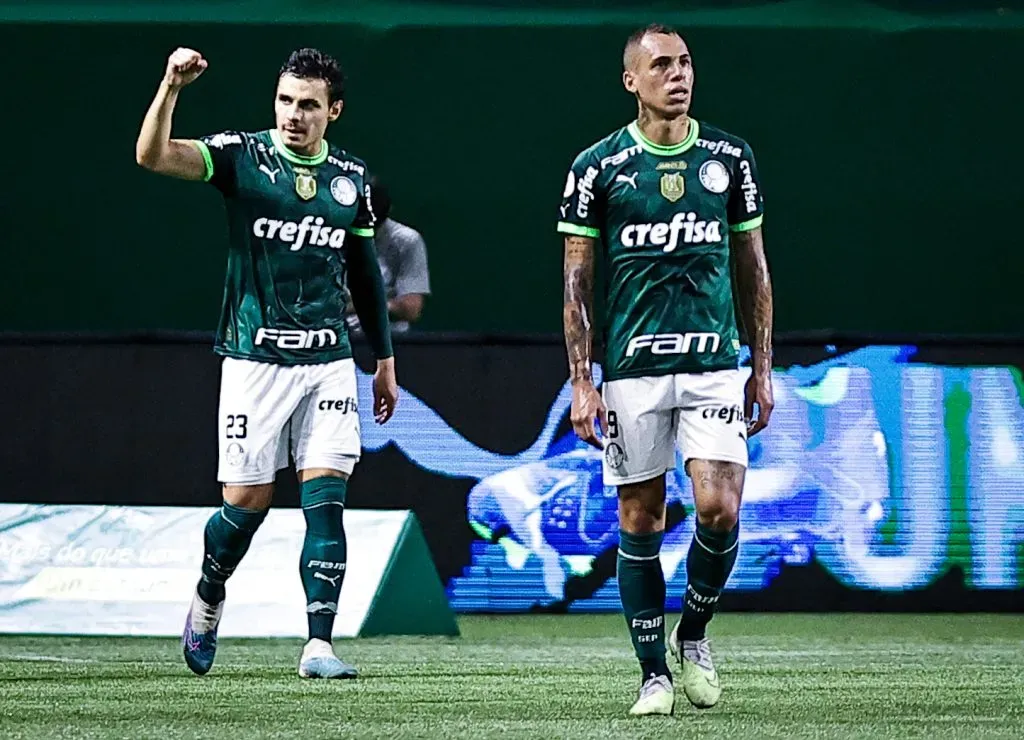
(47, 659)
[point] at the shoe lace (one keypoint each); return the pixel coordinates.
(204, 615)
(206, 612)
(699, 652)
(653, 685)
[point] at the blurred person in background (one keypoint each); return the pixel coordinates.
(402, 254)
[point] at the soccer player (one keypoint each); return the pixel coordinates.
(677, 206)
(299, 219)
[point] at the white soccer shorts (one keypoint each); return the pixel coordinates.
(648, 417)
(267, 410)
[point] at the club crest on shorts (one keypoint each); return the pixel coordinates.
(344, 190)
(235, 455)
(305, 183)
(673, 186)
(614, 456)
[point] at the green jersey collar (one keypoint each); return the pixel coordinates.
(294, 158)
(665, 151)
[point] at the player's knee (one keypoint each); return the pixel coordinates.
(642, 506)
(721, 513)
(252, 497)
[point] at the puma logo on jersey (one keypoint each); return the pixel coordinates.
(631, 179)
(272, 174)
(311, 231)
(684, 227)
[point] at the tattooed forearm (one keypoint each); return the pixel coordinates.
(578, 273)
(754, 294)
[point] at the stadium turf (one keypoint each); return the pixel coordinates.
(786, 676)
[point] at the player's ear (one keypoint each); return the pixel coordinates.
(335, 110)
(629, 81)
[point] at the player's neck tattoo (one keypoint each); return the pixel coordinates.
(662, 131)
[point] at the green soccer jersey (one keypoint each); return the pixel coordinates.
(288, 220)
(663, 215)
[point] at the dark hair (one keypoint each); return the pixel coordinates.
(313, 64)
(638, 35)
(380, 198)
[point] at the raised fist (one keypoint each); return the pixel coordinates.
(183, 67)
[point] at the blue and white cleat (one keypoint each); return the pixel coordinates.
(199, 641)
(319, 661)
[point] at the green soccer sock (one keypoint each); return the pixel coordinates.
(642, 590)
(324, 552)
(708, 565)
(226, 540)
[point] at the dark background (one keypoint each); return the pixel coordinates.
(888, 146)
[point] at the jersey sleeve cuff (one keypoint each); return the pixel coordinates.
(567, 228)
(747, 225)
(368, 233)
(207, 159)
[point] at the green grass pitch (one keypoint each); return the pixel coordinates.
(785, 676)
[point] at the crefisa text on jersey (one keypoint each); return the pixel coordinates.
(294, 234)
(667, 235)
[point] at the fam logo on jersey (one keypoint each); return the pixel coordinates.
(749, 187)
(714, 176)
(311, 231)
(296, 338)
(720, 147)
(673, 186)
(305, 183)
(344, 190)
(684, 227)
(617, 159)
(675, 344)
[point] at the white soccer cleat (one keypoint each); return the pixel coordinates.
(319, 661)
(656, 697)
(699, 677)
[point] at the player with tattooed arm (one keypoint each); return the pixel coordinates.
(676, 204)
